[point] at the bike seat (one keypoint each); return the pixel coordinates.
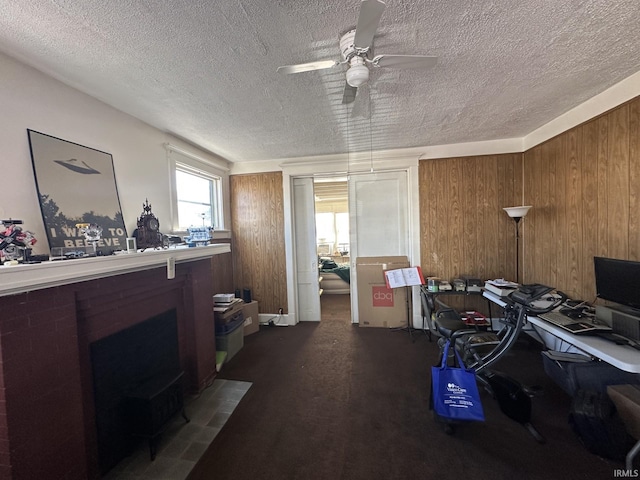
(448, 326)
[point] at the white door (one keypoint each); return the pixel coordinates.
(378, 221)
(304, 228)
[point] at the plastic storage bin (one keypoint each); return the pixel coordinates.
(223, 327)
(231, 341)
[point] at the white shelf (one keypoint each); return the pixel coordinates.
(25, 278)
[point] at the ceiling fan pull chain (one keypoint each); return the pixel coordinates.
(346, 107)
(370, 131)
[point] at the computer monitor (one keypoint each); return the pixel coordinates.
(618, 281)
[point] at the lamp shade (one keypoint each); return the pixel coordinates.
(357, 75)
(517, 212)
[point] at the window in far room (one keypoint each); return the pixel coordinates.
(332, 218)
(332, 230)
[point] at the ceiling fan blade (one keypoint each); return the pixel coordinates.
(368, 20)
(404, 61)
(349, 93)
(307, 67)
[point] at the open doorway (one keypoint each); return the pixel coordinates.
(331, 202)
(379, 225)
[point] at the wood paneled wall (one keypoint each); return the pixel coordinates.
(463, 227)
(464, 230)
(257, 219)
(584, 186)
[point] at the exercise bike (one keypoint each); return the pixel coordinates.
(480, 350)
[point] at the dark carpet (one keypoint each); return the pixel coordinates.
(331, 400)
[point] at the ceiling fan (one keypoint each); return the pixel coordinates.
(355, 47)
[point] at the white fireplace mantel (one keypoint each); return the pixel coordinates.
(24, 278)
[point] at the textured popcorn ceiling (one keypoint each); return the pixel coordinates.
(205, 70)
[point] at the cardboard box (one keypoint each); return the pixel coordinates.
(251, 321)
(379, 306)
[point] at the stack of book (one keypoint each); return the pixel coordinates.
(500, 287)
(227, 313)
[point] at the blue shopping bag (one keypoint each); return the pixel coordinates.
(455, 392)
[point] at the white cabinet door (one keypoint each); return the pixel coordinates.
(378, 220)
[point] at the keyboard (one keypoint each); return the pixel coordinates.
(557, 318)
(577, 326)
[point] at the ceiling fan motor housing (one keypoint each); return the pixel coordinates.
(348, 47)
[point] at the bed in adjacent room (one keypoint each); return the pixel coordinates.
(335, 278)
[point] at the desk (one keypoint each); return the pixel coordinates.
(621, 356)
(449, 293)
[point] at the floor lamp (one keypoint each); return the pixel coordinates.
(517, 213)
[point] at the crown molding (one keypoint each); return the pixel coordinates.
(614, 96)
(219, 164)
(621, 92)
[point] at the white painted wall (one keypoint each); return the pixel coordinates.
(32, 100)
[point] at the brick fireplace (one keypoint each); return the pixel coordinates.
(47, 414)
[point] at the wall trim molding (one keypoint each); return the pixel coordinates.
(219, 164)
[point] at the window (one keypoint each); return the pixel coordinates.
(332, 231)
(325, 228)
(198, 197)
(342, 229)
(197, 191)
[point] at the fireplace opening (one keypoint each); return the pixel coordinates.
(137, 384)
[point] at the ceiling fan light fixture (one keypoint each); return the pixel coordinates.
(356, 48)
(357, 75)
